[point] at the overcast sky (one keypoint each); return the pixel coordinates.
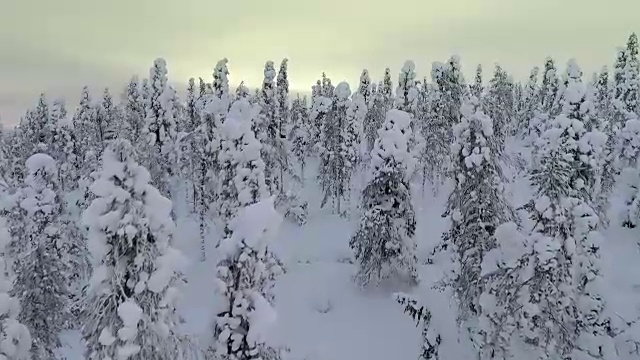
(58, 46)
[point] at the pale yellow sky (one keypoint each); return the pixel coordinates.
(57, 46)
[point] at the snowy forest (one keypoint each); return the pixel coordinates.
(420, 215)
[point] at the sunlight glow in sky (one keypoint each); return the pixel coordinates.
(59, 46)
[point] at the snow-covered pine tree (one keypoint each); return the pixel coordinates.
(160, 128)
(129, 311)
(220, 85)
(375, 116)
(107, 120)
(445, 101)
(300, 132)
(550, 87)
(282, 84)
(242, 91)
(41, 276)
(73, 250)
(245, 276)
(353, 133)
(64, 148)
(530, 107)
(268, 132)
(40, 128)
(335, 170)
(242, 174)
(202, 88)
(476, 205)
(387, 90)
(407, 100)
(364, 88)
(84, 126)
(477, 88)
(407, 91)
(604, 112)
(561, 308)
(320, 107)
(499, 106)
(383, 245)
(15, 339)
(626, 95)
(134, 119)
(213, 103)
(328, 90)
(627, 78)
(145, 94)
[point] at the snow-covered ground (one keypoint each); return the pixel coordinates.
(323, 315)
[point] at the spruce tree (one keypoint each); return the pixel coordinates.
(476, 205)
(320, 106)
(242, 174)
(268, 132)
(530, 107)
(84, 126)
(244, 278)
(477, 88)
(384, 245)
(364, 88)
(15, 339)
(129, 311)
(106, 120)
(554, 289)
(300, 132)
(604, 112)
(550, 87)
(160, 128)
(498, 104)
(407, 91)
(282, 84)
(134, 116)
(336, 169)
(41, 272)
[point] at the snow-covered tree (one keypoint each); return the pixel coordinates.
(282, 84)
(384, 244)
(134, 116)
(529, 108)
(375, 116)
(107, 121)
(604, 114)
(244, 279)
(129, 311)
(550, 87)
(407, 91)
(242, 91)
(387, 90)
(268, 132)
(626, 79)
(242, 174)
(320, 107)
(327, 89)
(498, 104)
(445, 100)
(477, 88)
(160, 128)
(15, 339)
(476, 205)
(558, 300)
(364, 88)
(65, 150)
(41, 274)
(300, 136)
(335, 152)
(84, 126)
